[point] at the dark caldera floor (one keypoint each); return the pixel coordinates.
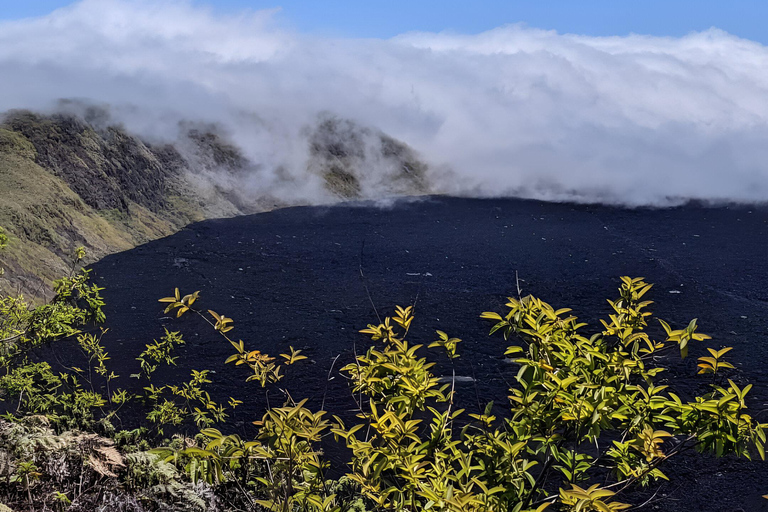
(293, 277)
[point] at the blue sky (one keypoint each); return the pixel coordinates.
(377, 18)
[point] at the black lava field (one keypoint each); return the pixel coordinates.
(307, 277)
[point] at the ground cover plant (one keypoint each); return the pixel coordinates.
(587, 418)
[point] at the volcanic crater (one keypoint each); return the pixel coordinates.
(312, 277)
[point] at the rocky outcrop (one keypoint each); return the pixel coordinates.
(356, 161)
(108, 170)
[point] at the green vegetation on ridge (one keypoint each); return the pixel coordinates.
(64, 185)
(67, 182)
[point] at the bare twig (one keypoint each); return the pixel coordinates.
(365, 285)
(325, 393)
(649, 500)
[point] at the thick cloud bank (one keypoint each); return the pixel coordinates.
(512, 111)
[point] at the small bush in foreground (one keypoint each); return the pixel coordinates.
(587, 420)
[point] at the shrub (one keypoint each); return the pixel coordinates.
(582, 404)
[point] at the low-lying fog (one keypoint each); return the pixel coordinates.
(512, 111)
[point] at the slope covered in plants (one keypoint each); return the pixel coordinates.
(68, 180)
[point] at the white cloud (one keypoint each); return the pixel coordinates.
(512, 111)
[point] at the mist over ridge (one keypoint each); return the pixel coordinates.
(516, 111)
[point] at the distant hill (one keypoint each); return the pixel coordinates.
(67, 181)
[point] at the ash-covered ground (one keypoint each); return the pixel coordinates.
(298, 276)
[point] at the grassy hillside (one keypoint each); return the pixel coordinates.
(67, 181)
(46, 219)
(64, 185)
